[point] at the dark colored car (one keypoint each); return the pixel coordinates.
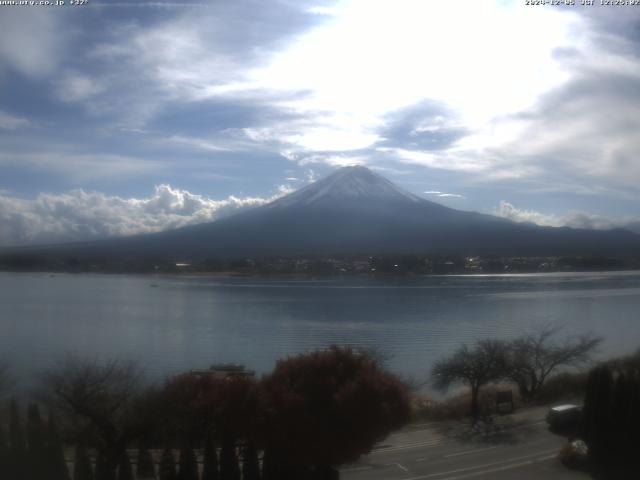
(567, 416)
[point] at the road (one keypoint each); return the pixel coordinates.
(517, 446)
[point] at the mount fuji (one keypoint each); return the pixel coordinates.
(356, 211)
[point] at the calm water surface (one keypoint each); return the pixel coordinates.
(187, 322)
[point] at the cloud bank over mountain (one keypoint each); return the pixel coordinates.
(573, 219)
(352, 211)
(80, 215)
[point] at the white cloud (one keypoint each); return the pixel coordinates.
(436, 124)
(81, 167)
(325, 90)
(568, 108)
(313, 134)
(481, 63)
(198, 143)
(337, 82)
(573, 218)
(197, 55)
(80, 215)
(31, 40)
(333, 160)
(444, 194)
(171, 55)
(282, 190)
(331, 139)
(508, 210)
(76, 87)
(10, 122)
(439, 160)
(584, 129)
(311, 176)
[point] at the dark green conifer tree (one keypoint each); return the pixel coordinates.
(188, 464)
(82, 465)
(55, 461)
(634, 414)
(269, 467)
(124, 467)
(250, 463)
(612, 418)
(621, 415)
(597, 413)
(17, 449)
(229, 468)
(4, 454)
(145, 468)
(167, 466)
(37, 452)
(105, 468)
(210, 467)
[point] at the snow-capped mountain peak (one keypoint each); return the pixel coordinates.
(347, 183)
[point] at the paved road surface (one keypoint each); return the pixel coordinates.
(517, 446)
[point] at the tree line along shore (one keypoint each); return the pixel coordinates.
(365, 264)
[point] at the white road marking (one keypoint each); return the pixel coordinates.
(467, 452)
(413, 426)
(486, 465)
(524, 425)
(503, 468)
(440, 440)
(407, 446)
(356, 469)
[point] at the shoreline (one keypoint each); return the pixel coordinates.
(309, 276)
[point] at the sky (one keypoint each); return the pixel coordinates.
(125, 117)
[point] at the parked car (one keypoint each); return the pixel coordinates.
(566, 416)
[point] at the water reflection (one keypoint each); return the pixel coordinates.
(191, 322)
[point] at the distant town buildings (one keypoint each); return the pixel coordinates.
(324, 265)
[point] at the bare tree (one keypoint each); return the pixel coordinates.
(100, 403)
(475, 366)
(535, 356)
(375, 353)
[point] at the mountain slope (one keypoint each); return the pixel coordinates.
(357, 211)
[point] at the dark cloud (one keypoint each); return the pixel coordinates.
(615, 28)
(427, 125)
(585, 129)
(219, 114)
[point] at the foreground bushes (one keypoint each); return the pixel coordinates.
(328, 408)
(313, 413)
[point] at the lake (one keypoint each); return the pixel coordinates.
(174, 323)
